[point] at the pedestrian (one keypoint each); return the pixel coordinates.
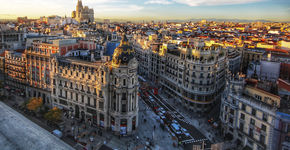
(154, 127)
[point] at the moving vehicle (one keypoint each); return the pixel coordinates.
(176, 128)
(185, 132)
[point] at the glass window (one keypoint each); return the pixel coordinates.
(242, 116)
(253, 112)
(265, 117)
(263, 127)
(252, 121)
(244, 107)
(101, 105)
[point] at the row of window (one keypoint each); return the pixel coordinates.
(76, 97)
(254, 112)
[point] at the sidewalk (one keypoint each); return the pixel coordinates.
(144, 135)
(83, 136)
(190, 117)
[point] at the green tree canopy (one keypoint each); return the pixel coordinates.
(53, 115)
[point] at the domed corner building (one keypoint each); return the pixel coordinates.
(124, 89)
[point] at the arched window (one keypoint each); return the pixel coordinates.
(124, 82)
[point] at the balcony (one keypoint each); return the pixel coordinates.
(91, 106)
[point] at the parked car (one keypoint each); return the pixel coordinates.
(57, 133)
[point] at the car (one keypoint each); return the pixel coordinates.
(160, 109)
(176, 128)
(57, 133)
(162, 117)
(178, 132)
(150, 97)
(185, 132)
(174, 121)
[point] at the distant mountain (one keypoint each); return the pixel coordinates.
(232, 20)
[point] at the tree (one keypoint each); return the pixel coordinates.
(53, 115)
(34, 103)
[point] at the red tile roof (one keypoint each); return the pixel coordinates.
(283, 84)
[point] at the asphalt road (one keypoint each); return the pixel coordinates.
(195, 138)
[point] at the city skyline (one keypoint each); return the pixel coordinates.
(154, 9)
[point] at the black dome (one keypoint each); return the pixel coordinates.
(123, 53)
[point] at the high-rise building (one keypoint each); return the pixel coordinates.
(83, 13)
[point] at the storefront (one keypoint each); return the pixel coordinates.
(102, 120)
(95, 121)
(123, 127)
(134, 123)
(113, 123)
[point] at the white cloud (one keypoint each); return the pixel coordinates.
(164, 2)
(214, 2)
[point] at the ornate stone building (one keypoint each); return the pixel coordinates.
(83, 14)
(15, 71)
(38, 64)
(192, 75)
(99, 91)
(248, 113)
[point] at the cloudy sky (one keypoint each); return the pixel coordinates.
(277, 10)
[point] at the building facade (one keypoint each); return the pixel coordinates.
(195, 76)
(234, 61)
(99, 91)
(12, 40)
(83, 13)
(39, 66)
(190, 72)
(248, 114)
(15, 71)
(250, 55)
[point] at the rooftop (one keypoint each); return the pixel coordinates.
(17, 132)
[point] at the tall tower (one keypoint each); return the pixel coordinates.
(79, 7)
(124, 90)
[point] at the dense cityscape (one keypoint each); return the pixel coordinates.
(75, 82)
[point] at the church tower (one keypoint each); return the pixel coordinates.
(124, 90)
(79, 7)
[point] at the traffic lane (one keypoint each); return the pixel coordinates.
(194, 132)
(168, 106)
(181, 137)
